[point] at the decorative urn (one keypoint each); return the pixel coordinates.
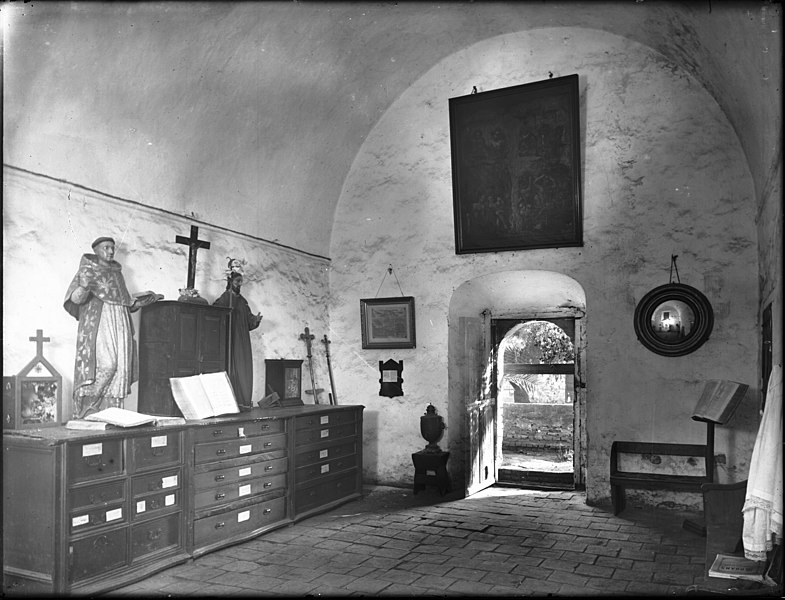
(431, 428)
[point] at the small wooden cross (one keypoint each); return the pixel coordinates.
(193, 243)
(39, 339)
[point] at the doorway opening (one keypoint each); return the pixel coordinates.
(536, 400)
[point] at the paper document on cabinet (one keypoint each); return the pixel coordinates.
(205, 395)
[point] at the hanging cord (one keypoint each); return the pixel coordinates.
(674, 267)
(389, 272)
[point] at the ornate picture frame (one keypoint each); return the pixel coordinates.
(516, 167)
(387, 323)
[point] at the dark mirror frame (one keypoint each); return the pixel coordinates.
(698, 303)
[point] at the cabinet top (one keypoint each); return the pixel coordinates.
(50, 436)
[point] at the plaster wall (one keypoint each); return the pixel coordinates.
(41, 214)
(663, 173)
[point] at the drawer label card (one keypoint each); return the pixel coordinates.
(324, 420)
(169, 500)
(325, 468)
(245, 490)
(246, 448)
(80, 520)
(323, 453)
(243, 516)
(113, 515)
(324, 433)
(92, 449)
(241, 432)
(167, 482)
(244, 472)
(141, 506)
(158, 441)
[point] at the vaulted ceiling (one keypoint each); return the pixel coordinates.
(250, 114)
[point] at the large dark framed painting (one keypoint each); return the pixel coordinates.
(516, 167)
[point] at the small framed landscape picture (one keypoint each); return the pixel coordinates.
(388, 322)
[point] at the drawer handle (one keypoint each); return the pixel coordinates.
(268, 444)
(154, 485)
(221, 451)
(265, 427)
(219, 496)
(218, 431)
(268, 484)
(154, 534)
(96, 520)
(267, 510)
(98, 499)
(155, 504)
(101, 542)
(158, 451)
(93, 461)
(220, 477)
(219, 525)
(269, 468)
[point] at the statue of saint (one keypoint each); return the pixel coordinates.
(106, 362)
(243, 322)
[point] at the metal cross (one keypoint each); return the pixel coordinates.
(193, 243)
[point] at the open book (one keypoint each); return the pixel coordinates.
(119, 417)
(719, 401)
(204, 395)
(147, 297)
(730, 566)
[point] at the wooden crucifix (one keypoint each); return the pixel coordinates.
(39, 340)
(193, 243)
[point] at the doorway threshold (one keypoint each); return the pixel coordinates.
(536, 479)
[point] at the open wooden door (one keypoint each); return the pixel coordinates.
(480, 401)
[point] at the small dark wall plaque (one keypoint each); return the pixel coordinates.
(391, 380)
(284, 376)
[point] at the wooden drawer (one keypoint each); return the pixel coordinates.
(238, 473)
(235, 522)
(155, 535)
(233, 431)
(97, 554)
(97, 494)
(89, 518)
(328, 450)
(238, 490)
(208, 452)
(154, 504)
(157, 450)
(306, 498)
(324, 469)
(153, 482)
(317, 421)
(95, 460)
(324, 433)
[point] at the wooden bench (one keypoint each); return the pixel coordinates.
(621, 480)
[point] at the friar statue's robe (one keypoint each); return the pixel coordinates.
(106, 362)
(241, 367)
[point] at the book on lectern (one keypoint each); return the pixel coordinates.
(719, 400)
(204, 395)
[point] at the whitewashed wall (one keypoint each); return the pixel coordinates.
(49, 224)
(663, 174)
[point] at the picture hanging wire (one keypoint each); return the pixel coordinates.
(389, 272)
(674, 267)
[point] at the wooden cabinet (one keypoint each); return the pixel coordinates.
(179, 339)
(89, 511)
(85, 512)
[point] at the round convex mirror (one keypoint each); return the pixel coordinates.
(673, 319)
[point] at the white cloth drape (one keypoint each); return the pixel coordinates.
(763, 501)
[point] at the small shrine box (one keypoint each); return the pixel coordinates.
(284, 376)
(33, 397)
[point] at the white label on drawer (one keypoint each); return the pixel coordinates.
(92, 449)
(169, 500)
(244, 472)
(243, 516)
(141, 506)
(158, 441)
(244, 490)
(324, 420)
(80, 520)
(246, 448)
(324, 433)
(241, 432)
(323, 453)
(113, 515)
(325, 468)
(170, 481)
